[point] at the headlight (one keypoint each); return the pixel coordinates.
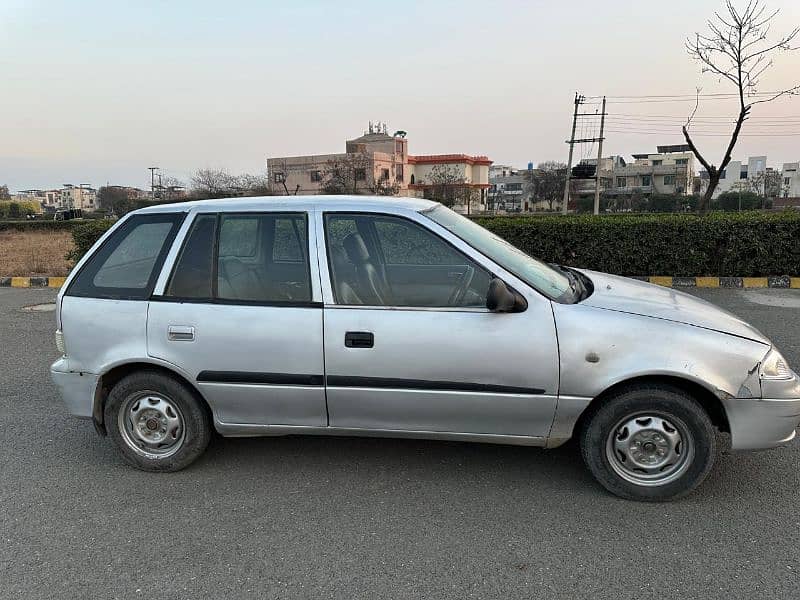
(60, 345)
(775, 366)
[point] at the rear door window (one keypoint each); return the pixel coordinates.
(248, 258)
(127, 265)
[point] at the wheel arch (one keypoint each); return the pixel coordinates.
(110, 377)
(710, 402)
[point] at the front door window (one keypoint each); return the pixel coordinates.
(380, 260)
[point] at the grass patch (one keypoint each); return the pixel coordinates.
(24, 253)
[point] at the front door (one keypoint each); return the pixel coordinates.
(409, 344)
(238, 315)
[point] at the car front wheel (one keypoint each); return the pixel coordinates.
(157, 423)
(650, 442)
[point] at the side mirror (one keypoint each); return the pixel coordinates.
(500, 298)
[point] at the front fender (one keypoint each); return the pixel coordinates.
(600, 348)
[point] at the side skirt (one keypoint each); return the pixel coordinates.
(247, 430)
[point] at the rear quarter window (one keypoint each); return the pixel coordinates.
(127, 265)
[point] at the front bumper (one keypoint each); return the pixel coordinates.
(77, 388)
(762, 423)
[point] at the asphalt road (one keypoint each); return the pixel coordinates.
(368, 518)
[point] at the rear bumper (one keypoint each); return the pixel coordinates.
(77, 389)
(762, 423)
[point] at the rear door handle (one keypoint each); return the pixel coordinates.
(359, 339)
(180, 333)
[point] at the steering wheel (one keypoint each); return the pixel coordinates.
(461, 287)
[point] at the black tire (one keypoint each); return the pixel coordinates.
(632, 405)
(190, 438)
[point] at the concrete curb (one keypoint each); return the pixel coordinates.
(780, 282)
(27, 282)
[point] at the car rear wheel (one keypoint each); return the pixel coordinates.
(157, 423)
(652, 443)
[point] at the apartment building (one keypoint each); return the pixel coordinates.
(377, 162)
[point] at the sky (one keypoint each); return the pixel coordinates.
(98, 91)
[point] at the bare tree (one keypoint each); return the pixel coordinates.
(347, 173)
(548, 182)
(384, 187)
(446, 184)
(736, 48)
(218, 183)
(211, 183)
(4, 194)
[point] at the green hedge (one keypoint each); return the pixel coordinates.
(748, 244)
(37, 225)
(85, 234)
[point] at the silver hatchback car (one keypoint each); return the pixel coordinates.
(398, 317)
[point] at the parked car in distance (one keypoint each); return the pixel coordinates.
(397, 317)
(68, 214)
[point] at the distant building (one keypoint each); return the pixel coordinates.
(736, 176)
(39, 196)
(470, 173)
(510, 193)
(670, 171)
(380, 163)
(790, 180)
(69, 196)
(502, 171)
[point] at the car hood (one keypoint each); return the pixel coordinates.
(612, 292)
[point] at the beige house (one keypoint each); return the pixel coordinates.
(377, 162)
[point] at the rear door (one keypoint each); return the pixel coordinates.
(241, 315)
(409, 344)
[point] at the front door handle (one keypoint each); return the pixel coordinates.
(359, 339)
(180, 333)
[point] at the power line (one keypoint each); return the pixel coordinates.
(691, 96)
(698, 134)
(750, 118)
(704, 126)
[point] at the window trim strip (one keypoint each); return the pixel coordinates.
(232, 302)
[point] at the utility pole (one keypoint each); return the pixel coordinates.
(599, 158)
(578, 101)
(153, 183)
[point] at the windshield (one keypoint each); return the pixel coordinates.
(551, 282)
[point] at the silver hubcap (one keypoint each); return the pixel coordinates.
(650, 449)
(151, 425)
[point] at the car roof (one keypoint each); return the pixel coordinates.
(334, 203)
